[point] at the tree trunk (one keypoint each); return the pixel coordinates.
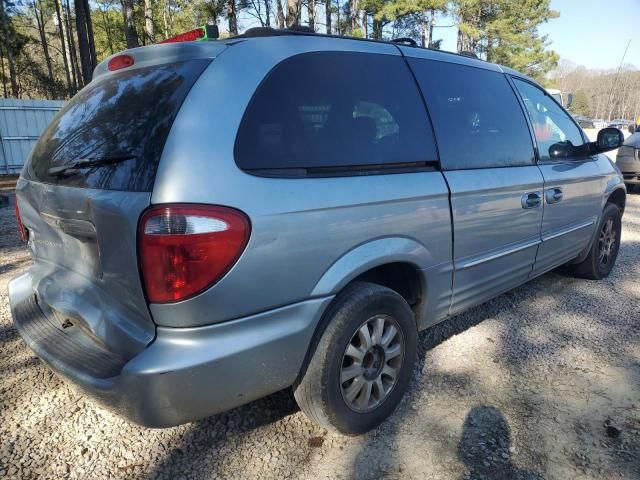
(83, 41)
(90, 37)
(432, 23)
(129, 24)
(280, 15)
(9, 46)
(365, 25)
(327, 14)
(165, 23)
(63, 46)
(293, 12)
(4, 78)
(75, 68)
(355, 19)
(148, 21)
(460, 43)
(231, 17)
(311, 13)
(37, 10)
(423, 29)
(267, 11)
(377, 29)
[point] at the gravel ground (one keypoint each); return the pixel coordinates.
(542, 382)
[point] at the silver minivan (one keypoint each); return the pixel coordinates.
(213, 221)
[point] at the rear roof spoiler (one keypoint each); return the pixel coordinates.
(160, 54)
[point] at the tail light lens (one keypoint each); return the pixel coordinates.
(119, 62)
(24, 234)
(184, 249)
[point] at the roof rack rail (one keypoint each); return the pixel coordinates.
(303, 30)
(468, 53)
(405, 40)
(271, 32)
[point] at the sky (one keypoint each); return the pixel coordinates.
(593, 33)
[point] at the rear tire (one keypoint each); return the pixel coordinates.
(370, 342)
(605, 246)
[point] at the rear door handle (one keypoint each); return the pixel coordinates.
(531, 200)
(553, 195)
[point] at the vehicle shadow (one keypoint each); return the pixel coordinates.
(10, 266)
(8, 333)
(205, 446)
(485, 447)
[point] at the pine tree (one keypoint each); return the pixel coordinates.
(581, 104)
(506, 32)
(420, 11)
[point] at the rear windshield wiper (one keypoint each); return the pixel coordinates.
(89, 163)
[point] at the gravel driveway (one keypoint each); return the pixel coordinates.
(542, 382)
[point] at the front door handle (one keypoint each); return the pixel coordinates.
(531, 200)
(554, 195)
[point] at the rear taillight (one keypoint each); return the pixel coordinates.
(24, 234)
(185, 249)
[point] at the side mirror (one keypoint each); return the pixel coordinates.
(569, 100)
(561, 150)
(608, 139)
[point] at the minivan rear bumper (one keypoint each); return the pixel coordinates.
(629, 165)
(185, 373)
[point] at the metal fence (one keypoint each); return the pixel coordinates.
(21, 123)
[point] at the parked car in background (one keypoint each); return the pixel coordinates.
(211, 222)
(628, 160)
(620, 124)
(583, 121)
(599, 123)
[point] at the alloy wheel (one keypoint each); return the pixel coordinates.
(606, 242)
(371, 363)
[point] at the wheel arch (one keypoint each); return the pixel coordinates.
(618, 197)
(360, 261)
(402, 258)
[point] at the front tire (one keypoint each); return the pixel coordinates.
(605, 246)
(362, 364)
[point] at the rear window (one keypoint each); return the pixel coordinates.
(111, 134)
(333, 111)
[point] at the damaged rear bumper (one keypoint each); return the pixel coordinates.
(185, 373)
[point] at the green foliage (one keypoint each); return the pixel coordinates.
(399, 8)
(581, 104)
(108, 28)
(506, 32)
(502, 31)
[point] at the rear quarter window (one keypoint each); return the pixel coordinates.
(327, 111)
(112, 133)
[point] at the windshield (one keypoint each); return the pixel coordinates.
(111, 134)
